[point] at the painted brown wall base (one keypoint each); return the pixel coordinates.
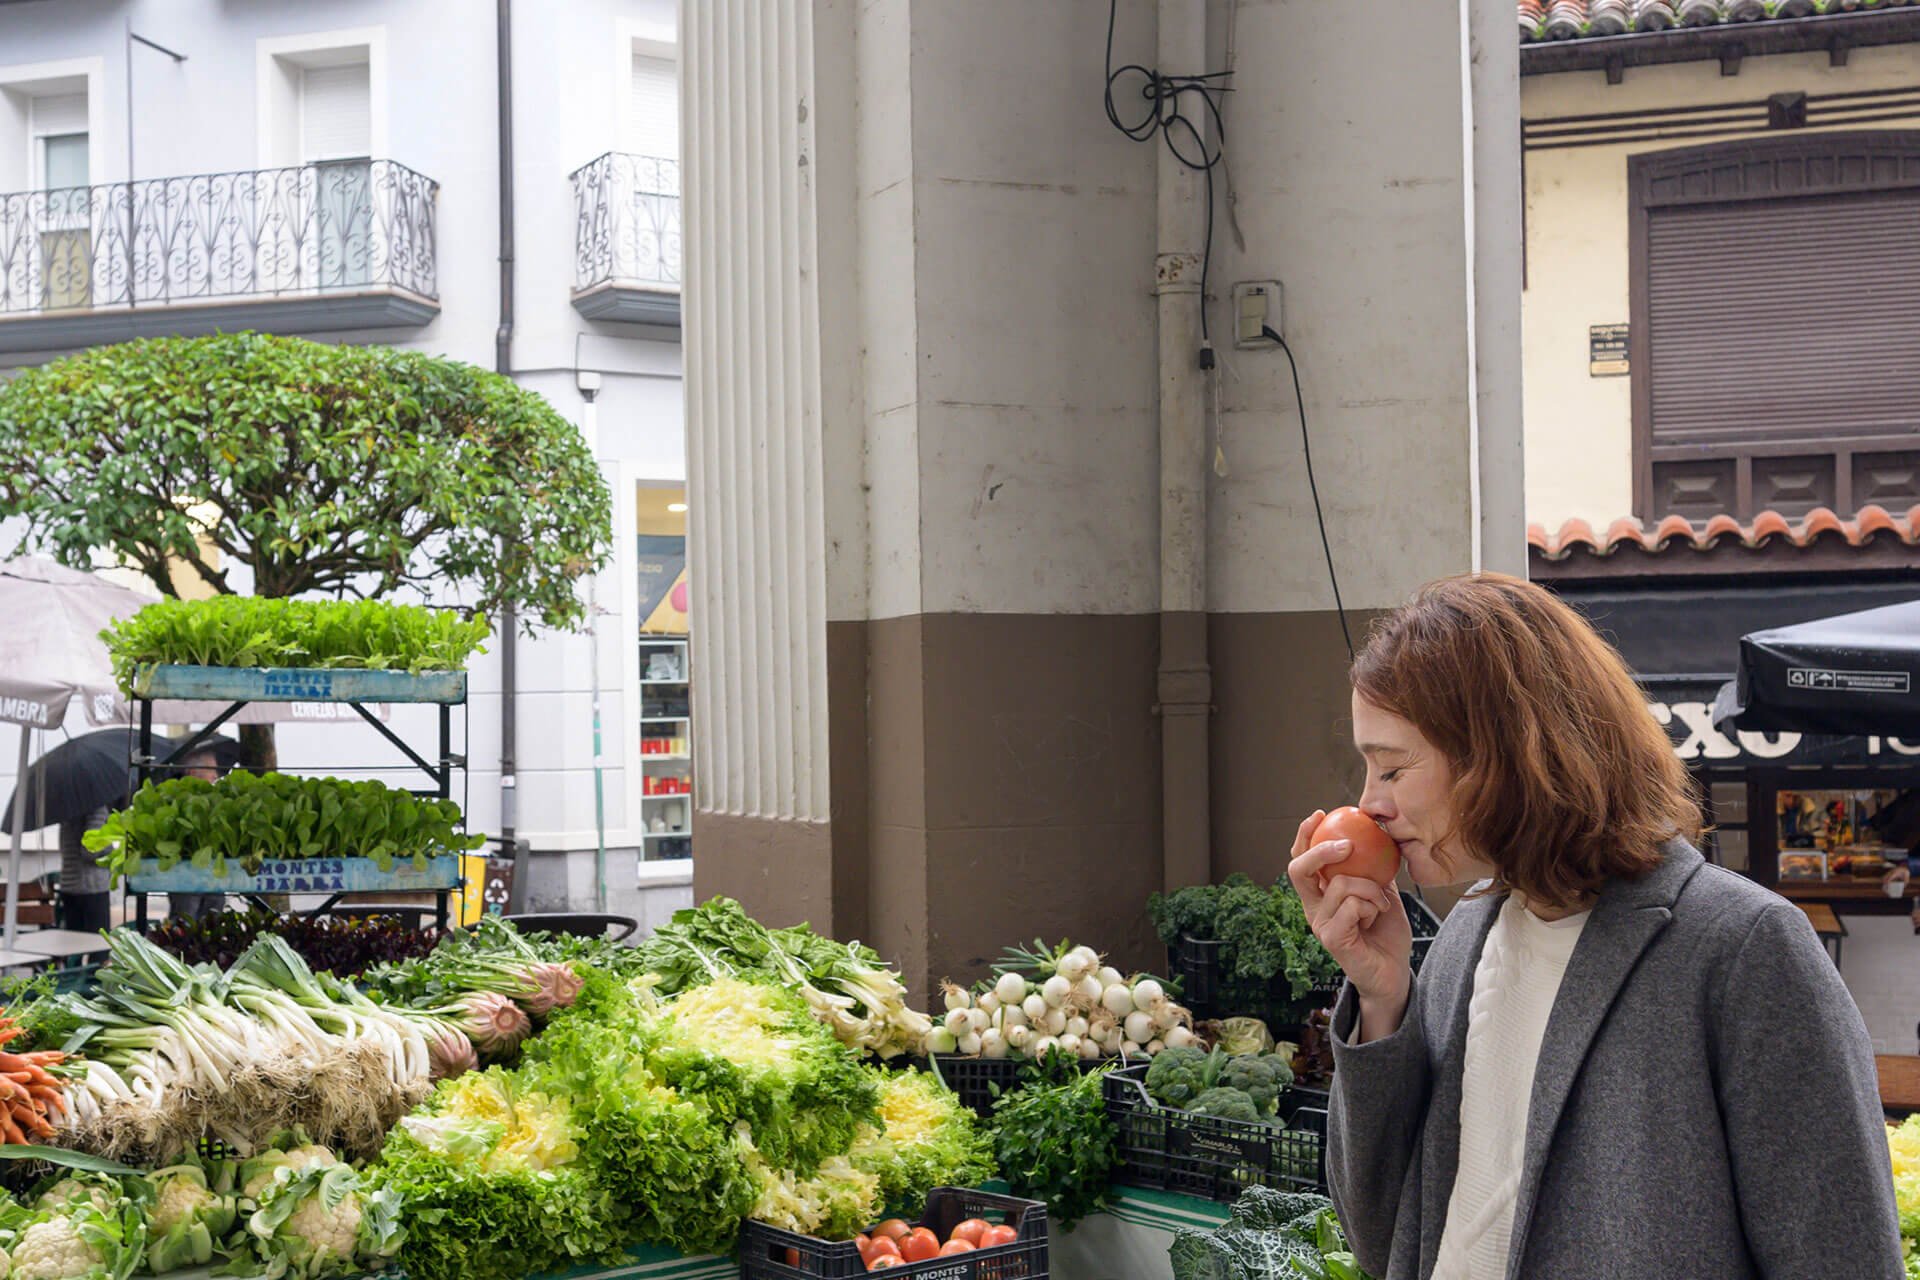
(781, 872)
(1282, 735)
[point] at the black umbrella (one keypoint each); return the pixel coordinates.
(90, 772)
(1858, 673)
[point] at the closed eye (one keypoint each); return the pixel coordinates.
(1390, 775)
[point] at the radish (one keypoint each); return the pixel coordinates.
(1035, 1007)
(1010, 989)
(1055, 991)
(1118, 999)
(1139, 1026)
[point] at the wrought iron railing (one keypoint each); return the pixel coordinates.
(344, 225)
(626, 217)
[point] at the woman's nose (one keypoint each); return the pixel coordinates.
(1374, 802)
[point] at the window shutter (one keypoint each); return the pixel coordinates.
(653, 126)
(60, 113)
(336, 113)
(1773, 321)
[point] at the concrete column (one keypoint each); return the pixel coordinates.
(923, 416)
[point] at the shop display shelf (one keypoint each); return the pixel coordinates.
(1204, 970)
(1167, 1149)
(299, 684)
(769, 1253)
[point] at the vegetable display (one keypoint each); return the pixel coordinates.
(251, 631)
(1232, 1086)
(1268, 1235)
(845, 984)
(345, 946)
(1267, 929)
(34, 1098)
(1903, 1142)
(1064, 998)
(246, 819)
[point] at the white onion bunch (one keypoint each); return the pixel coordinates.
(1065, 998)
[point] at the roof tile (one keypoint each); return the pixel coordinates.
(1575, 19)
(1676, 534)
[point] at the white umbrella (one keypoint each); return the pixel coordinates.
(50, 654)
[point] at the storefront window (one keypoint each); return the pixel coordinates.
(1845, 835)
(665, 674)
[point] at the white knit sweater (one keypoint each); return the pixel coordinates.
(1513, 993)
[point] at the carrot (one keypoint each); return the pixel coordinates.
(33, 1122)
(9, 1131)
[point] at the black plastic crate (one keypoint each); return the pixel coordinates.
(769, 1253)
(975, 1080)
(1204, 969)
(1216, 1159)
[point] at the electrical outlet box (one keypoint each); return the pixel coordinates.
(1256, 307)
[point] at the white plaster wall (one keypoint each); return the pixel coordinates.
(200, 117)
(1579, 429)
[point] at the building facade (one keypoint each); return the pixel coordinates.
(335, 172)
(1722, 202)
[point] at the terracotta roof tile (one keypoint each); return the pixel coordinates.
(1676, 534)
(1577, 19)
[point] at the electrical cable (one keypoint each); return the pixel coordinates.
(1162, 94)
(1306, 448)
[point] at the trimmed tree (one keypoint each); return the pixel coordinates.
(324, 469)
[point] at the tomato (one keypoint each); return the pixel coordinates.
(865, 1246)
(919, 1245)
(955, 1246)
(879, 1247)
(881, 1261)
(793, 1257)
(971, 1230)
(892, 1229)
(1374, 856)
(998, 1235)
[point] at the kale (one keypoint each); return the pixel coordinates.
(1268, 1234)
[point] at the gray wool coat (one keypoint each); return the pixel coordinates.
(1705, 1104)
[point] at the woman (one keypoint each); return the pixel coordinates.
(1617, 1061)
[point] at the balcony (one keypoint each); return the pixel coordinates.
(626, 261)
(314, 249)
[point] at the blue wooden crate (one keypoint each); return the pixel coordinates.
(303, 875)
(299, 684)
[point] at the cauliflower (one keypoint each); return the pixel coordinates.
(53, 1249)
(187, 1219)
(69, 1189)
(258, 1172)
(320, 1221)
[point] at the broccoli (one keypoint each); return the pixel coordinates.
(1227, 1104)
(1261, 1078)
(1177, 1076)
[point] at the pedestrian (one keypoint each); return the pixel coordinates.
(85, 898)
(1618, 1061)
(204, 764)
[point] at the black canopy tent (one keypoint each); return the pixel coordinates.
(1857, 673)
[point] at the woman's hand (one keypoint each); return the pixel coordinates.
(1362, 924)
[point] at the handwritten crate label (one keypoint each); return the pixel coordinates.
(1218, 1147)
(304, 686)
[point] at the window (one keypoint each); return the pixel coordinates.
(653, 106)
(1772, 325)
(61, 162)
(336, 113)
(336, 138)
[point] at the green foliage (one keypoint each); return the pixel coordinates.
(1268, 1235)
(247, 631)
(250, 818)
(930, 1139)
(322, 468)
(1053, 1143)
(1266, 929)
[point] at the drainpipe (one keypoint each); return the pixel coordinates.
(1185, 684)
(503, 364)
